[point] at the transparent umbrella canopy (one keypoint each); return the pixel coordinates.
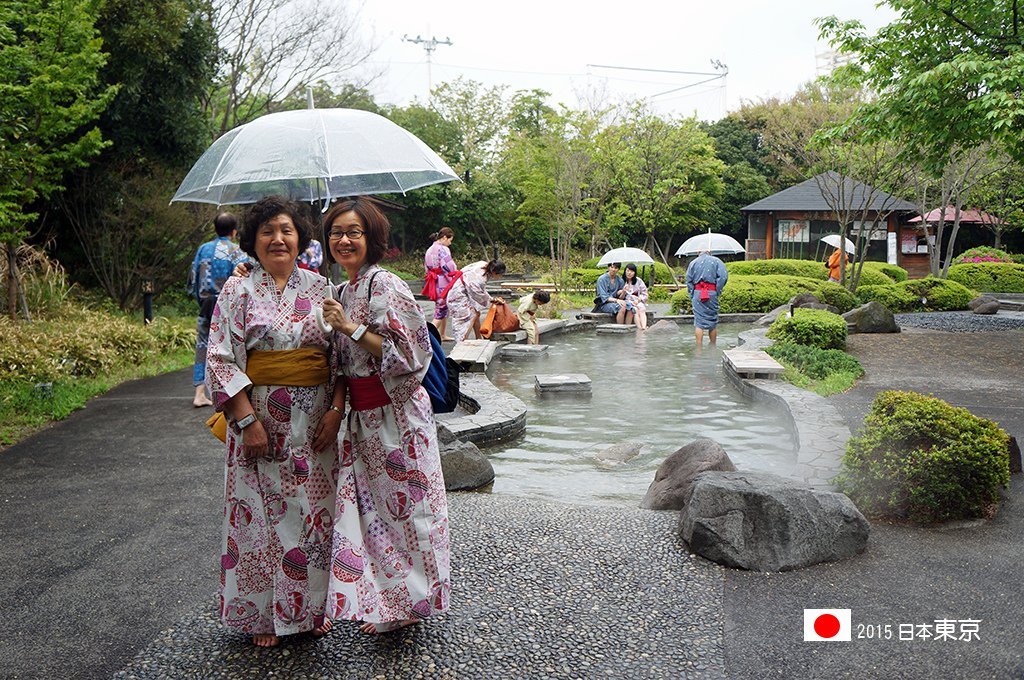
(625, 255)
(833, 240)
(716, 244)
(312, 155)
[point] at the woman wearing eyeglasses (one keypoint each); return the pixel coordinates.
(390, 565)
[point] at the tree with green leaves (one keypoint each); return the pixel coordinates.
(665, 177)
(946, 76)
(1001, 194)
(50, 98)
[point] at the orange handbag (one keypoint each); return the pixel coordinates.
(500, 319)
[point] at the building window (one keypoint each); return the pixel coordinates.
(794, 231)
(879, 232)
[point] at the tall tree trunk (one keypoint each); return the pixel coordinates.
(12, 283)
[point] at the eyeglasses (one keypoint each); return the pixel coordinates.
(353, 235)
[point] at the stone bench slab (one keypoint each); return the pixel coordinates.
(751, 363)
(615, 328)
(562, 382)
(523, 351)
(473, 355)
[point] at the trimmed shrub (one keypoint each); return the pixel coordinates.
(662, 274)
(991, 277)
(752, 293)
(939, 295)
(815, 362)
(873, 276)
(815, 327)
(834, 294)
(806, 268)
(895, 273)
(981, 254)
(579, 277)
(921, 459)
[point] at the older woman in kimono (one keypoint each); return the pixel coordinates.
(468, 299)
(705, 280)
(269, 371)
(636, 297)
(391, 558)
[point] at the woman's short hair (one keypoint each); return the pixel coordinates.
(495, 268)
(266, 209)
(541, 296)
(443, 232)
(375, 223)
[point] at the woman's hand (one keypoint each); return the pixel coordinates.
(334, 314)
(254, 442)
(327, 430)
(242, 269)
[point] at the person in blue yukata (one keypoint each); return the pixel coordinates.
(211, 267)
(611, 298)
(705, 279)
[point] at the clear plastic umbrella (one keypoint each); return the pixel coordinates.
(312, 155)
(625, 255)
(833, 240)
(716, 244)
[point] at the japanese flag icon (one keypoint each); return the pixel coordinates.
(827, 625)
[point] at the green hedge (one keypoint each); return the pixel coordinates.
(86, 344)
(815, 362)
(895, 273)
(751, 293)
(834, 294)
(982, 253)
(662, 274)
(922, 459)
(939, 295)
(873, 273)
(814, 327)
(990, 277)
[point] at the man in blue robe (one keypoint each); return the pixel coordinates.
(705, 279)
(610, 294)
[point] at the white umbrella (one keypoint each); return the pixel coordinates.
(626, 255)
(833, 240)
(716, 244)
(312, 155)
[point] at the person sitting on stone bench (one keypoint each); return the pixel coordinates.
(611, 296)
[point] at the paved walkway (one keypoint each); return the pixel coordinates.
(111, 525)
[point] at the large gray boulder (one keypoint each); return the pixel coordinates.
(769, 318)
(874, 317)
(804, 299)
(671, 486)
(987, 307)
(820, 305)
(464, 467)
(763, 522)
(981, 300)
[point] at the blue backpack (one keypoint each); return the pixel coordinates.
(441, 380)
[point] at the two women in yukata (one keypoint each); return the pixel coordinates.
(325, 517)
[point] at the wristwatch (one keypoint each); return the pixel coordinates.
(245, 422)
(358, 333)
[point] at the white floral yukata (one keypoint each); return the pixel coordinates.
(278, 513)
(467, 296)
(391, 551)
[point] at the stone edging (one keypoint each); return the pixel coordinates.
(821, 433)
(487, 414)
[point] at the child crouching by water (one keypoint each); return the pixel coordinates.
(527, 313)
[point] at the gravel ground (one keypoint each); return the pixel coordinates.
(962, 322)
(540, 590)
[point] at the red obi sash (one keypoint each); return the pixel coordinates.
(430, 283)
(366, 393)
(705, 289)
(452, 280)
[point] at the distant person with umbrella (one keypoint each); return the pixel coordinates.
(211, 267)
(636, 297)
(836, 262)
(611, 298)
(440, 273)
(269, 371)
(705, 280)
(390, 565)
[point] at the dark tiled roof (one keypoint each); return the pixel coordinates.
(808, 196)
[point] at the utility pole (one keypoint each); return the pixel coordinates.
(429, 45)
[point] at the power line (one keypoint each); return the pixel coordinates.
(429, 45)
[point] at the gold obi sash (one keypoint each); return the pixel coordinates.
(303, 367)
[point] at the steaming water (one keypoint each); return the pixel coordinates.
(656, 389)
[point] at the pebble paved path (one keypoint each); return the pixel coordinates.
(540, 590)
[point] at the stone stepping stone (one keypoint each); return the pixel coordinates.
(473, 355)
(524, 351)
(612, 328)
(562, 382)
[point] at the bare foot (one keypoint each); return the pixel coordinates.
(323, 629)
(386, 627)
(199, 402)
(266, 640)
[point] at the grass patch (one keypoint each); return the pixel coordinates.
(827, 386)
(23, 410)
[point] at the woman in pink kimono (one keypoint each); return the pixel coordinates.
(636, 298)
(391, 556)
(439, 267)
(269, 370)
(468, 299)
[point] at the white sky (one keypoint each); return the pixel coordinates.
(769, 47)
